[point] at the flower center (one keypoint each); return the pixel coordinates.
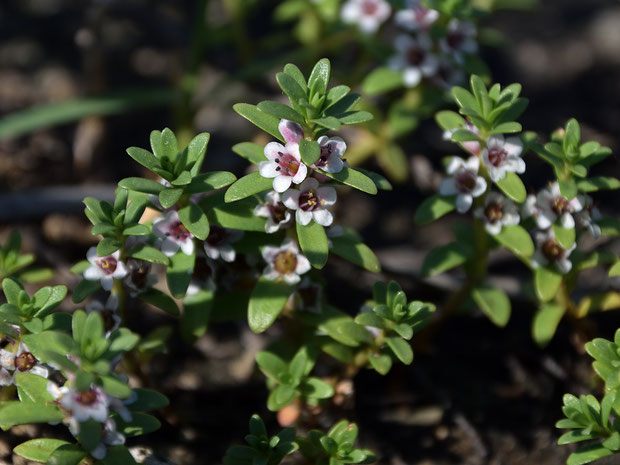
(178, 231)
(494, 212)
(497, 157)
(277, 212)
(285, 262)
(415, 56)
(552, 250)
(326, 152)
(465, 181)
(455, 39)
(559, 205)
(139, 273)
(108, 319)
(287, 163)
(309, 201)
(88, 397)
(217, 236)
(107, 264)
(25, 361)
(369, 7)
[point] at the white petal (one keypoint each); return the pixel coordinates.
(454, 165)
(327, 195)
(334, 165)
(291, 131)
(309, 185)
(91, 255)
(187, 246)
(480, 187)
(107, 282)
(227, 253)
(448, 187)
(513, 146)
(99, 452)
(412, 76)
(212, 252)
(323, 217)
(93, 273)
(301, 174)
(291, 278)
(303, 217)
(563, 265)
(494, 228)
(120, 272)
(473, 164)
(463, 202)
(169, 247)
(267, 169)
(567, 221)
(270, 273)
(281, 183)
(290, 199)
(272, 150)
(303, 265)
(543, 221)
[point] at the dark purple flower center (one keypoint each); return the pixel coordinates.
(559, 205)
(309, 201)
(107, 264)
(552, 250)
(415, 56)
(287, 164)
(139, 272)
(455, 39)
(217, 236)
(178, 231)
(88, 397)
(493, 212)
(285, 262)
(277, 212)
(465, 181)
(107, 316)
(326, 153)
(25, 361)
(369, 7)
(497, 157)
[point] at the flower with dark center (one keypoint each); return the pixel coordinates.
(550, 205)
(25, 361)
(368, 15)
(415, 16)
(472, 146)
(278, 216)
(464, 182)
(285, 262)
(549, 252)
(414, 58)
(497, 212)
(503, 156)
(219, 243)
(332, 150)
(104, 269)
(109, 313)
(284, 165)
(139, 277)
(460, 40)
(21, 361)
(588, 216)
(172, 235)
(310, 202)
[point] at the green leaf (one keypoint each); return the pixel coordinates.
(294, 91)
(401, 349)
(179, 273)
(513, 187)
(148, 253)
(588, 454)
(32, 388)
(169, 196)
(547, 283)
(147, 399)
(142, 185)
(353, 178)
(310, 151)
(196, 312)
(356, 252)
(108, 246)
(140, 424)
(615, 270)
(382, 80)
(598, 183)
(314, 388)
(67, 454)
(264, 121)
(335, 94)
(545, 323)
(280, 397)
(564, 236)
(38, 450)
(319, 77)
(294, 72)
(508, 127)
(444, 258)
(329, 122)
(210, 181)
(84, 289)
(568, 188)
(271, 365)
(117, 455)
(380, 362)
(494, 303)
(252, 152)
(281, 111)
(464, 98)
(21, 413)
(144, 157)
(246, 186)
(464, 135)
(449, 120)
(355, 117)
(236, 215)
(433, 208)
(90, 434)
(160, 300)
(266, 302)
(517, 239)
(313, 243)
(195, 220)
(196, 151)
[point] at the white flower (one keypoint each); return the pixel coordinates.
(550, 205)
(550, 252)
(368, 15)
(139, 277)
(588, 216)
(285, 262)
(464, 183)
(448, 74)
(93, 403)
(414, 58)
(498, 211)
(460, 40)
(471, 146)
(109, 315)
(278, 216)
(332, 150)
(104, 269)
(284, 165)
(501, 156)
(310, 202)
(218, 243)
(416, 16)
(172, 235)
(21, 361)
(109, 437)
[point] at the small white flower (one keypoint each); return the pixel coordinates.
(109, 315)
(109, 437)
(278, 216)
(414, 58)
(550, 252)
(464, 183)
(550, 205)
(588, 216)
(139, 277)
(460, 40)
(332, 150)
(104, 269)
(173, 235)
(19, 362)
(502, 156)
(218, 243)
(498, 211)
(284, 165)
(285, 262)
(416, 16)
(368, 15)
(473, 146)
(310, 202)
(93, 403)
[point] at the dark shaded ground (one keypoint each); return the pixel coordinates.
(475, 394)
